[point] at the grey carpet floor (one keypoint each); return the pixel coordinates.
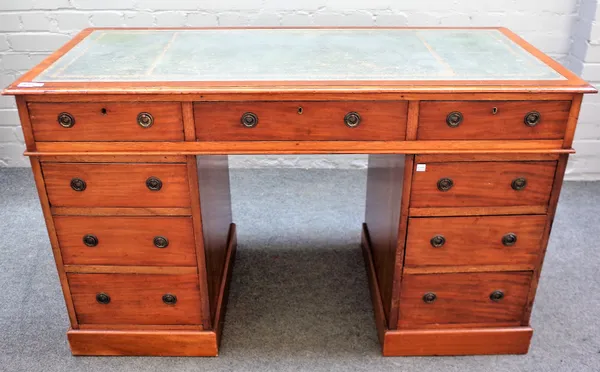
(299, 299)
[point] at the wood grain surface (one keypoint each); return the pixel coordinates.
(474, 241)
(475, 341)
(107, 121)
(483, 184)
(116, 185)
(296, 121)
(136, 298)
(385, 183)
(143, 342)
(480, 121)
(463, 298)
(126, 240)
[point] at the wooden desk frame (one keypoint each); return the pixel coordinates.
(383, 238)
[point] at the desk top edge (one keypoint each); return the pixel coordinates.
(571, 83)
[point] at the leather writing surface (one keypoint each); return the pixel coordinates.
(297, 55)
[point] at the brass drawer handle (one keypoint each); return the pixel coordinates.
(145, 119)
(153, 184)
(78, 184)
(90, 240)
(509, 239)
(438, 241)
(102, 298)
(352, 119)
(161, 242)
(519, 184)
(66, 120)
(496, 296)
(445, 184)
(454, 119)
(429, 297)
(169, 299)
(533, 118)
(249, 119)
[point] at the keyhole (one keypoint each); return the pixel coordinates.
(103, 111)
(494, 110)
(300, 110)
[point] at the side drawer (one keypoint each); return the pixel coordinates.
(469, 241)
(116, 185)
(468, 298)
(301, 121)
(142, 241)
(136, 299)
(492, 120)
(106, 121)
(483, 184)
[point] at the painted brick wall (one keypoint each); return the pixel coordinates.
(584, 59)
(31, 29)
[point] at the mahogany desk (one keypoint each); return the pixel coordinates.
(468, 131)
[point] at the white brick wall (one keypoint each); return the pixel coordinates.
(32, 29)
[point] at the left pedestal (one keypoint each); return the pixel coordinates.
(144, 247)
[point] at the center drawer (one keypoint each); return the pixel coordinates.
(140, 241)
(116, 185)
(301, 121)
(136, 299)
(466, 298)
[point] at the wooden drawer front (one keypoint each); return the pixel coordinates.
(459, 241)
(480, 122)
(135, 298)
(126, 240)
(107, 121)
(282, 121)
(463, 298)
(482, 184)
(116, 185)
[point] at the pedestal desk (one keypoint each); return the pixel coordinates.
(467, 130)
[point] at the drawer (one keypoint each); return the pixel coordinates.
(483, 184)
(492, 120)
(143, 241)
(136, 299)
(463, 298)
(460, 241)
(296, 121)
(116, 185)
(106, 121)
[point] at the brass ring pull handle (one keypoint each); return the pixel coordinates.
(519, 184)
(169, 299)
(78, 184)
(352, 119)
(249, 120)
(454, 119)
(429, 297)
(66, 120)
(145, 119)
(509, 239)
(90, 240)
(496, 296)
(438, 241)
(102, 298)
(532, 118)
(153, 184)
(445, 184)
(161, 242)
